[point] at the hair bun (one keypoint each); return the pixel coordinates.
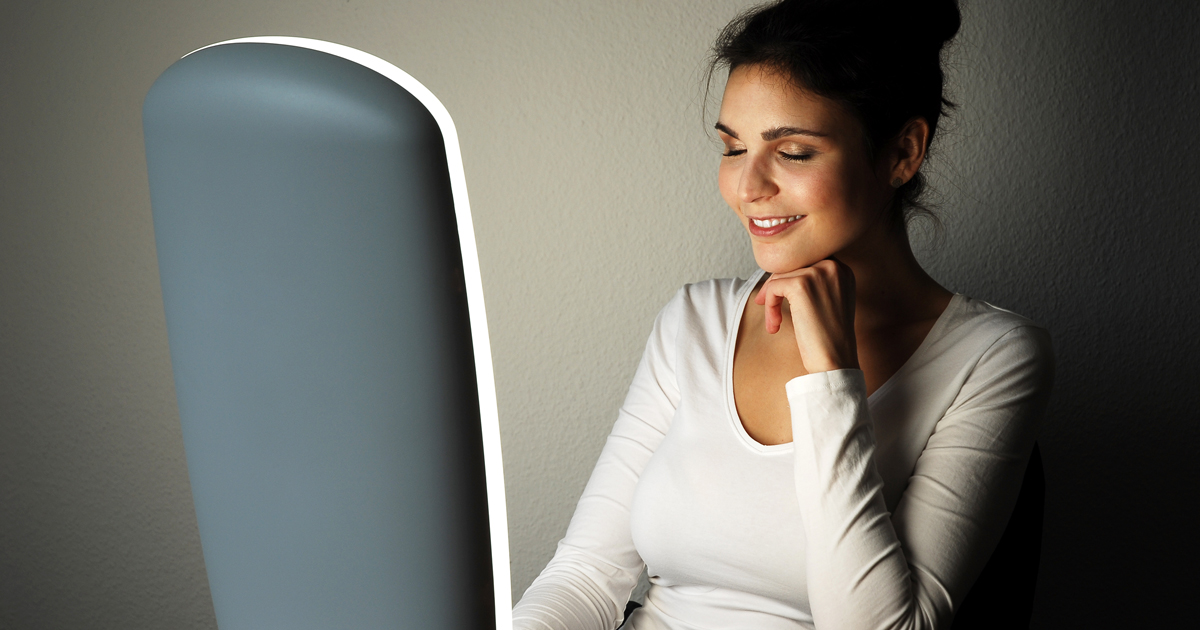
(919, 24)
(934, 22)
(944, 20)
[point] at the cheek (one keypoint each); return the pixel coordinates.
(826, 190)
(856, 187)
(815, 189)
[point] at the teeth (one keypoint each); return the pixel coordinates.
(766, 223)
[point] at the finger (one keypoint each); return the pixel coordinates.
(774, 309)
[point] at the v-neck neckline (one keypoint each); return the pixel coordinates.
(731, 345)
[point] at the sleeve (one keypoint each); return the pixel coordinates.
(871, 570)
(588, 582)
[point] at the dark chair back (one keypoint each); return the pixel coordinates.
(1002, 597)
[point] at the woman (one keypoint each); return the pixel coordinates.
(836, 442)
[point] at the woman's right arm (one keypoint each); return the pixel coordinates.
(587, 584)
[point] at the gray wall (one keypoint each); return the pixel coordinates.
(1068, 186)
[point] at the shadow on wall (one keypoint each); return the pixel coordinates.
(1087, 133)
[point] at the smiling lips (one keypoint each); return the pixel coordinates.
(770, 226)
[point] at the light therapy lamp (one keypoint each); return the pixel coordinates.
(328, 340)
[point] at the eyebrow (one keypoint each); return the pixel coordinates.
(774, 133)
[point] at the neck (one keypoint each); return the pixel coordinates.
(891, 288)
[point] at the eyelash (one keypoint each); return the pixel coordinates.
(794, 157)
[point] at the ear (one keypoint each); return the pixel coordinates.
(906, 152)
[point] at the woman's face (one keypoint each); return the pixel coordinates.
(796, 171)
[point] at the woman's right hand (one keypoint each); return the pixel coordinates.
(821, 302)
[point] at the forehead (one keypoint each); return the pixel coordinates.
(758, 98)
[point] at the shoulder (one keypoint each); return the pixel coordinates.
(983, 315)
(717, 299)
(998, 346)
(701, 315)
(992, 328)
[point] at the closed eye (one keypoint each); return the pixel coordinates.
(733, 152)
(796, 157)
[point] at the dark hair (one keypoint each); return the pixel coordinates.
(879, 59)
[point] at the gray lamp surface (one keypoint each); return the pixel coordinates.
(324, 314)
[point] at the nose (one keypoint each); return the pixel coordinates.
(756, 182)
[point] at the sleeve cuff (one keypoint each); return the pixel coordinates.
(834, 382)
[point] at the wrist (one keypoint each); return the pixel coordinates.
(828, 362)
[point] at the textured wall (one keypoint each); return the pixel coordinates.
(1068, 185)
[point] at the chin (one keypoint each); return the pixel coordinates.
(772, 262)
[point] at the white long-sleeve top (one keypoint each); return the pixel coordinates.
(880, 514)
